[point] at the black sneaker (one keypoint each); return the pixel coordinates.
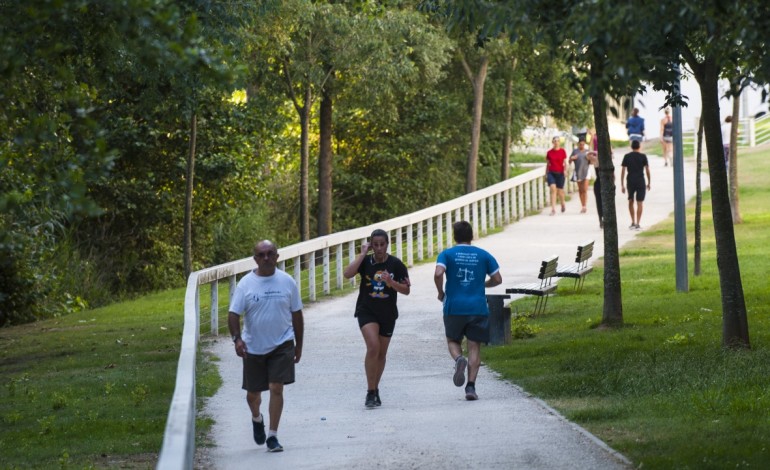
(273, 445)
(371, 399)
(259, 431)
(377, 401)
(470, 393)
(460, 364)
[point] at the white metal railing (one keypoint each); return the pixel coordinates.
(751, 133)
(417, 235)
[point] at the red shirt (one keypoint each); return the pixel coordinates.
(556, 158)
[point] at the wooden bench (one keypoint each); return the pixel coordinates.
(541, 289)
(580, 269)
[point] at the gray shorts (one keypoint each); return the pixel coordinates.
(277, 366)
(473, 327)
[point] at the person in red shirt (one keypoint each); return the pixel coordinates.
(554, 173)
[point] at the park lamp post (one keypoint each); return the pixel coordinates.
(680, 224)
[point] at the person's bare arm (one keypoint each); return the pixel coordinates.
(234, 325)
(623, 179)
(298, 323)
(647, 169)
(400, 287)
(352, 269)
(494, 280)
(438, 279)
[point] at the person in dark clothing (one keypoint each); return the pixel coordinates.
(383, 277)
(636, 164)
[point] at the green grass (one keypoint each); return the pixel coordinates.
(662, 390)
(92, 389)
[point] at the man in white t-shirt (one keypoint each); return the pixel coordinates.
(271, 341)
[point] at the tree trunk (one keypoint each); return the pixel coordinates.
(612, 312)
(325, 163)
(189, 196)
(733, 164)
(698, 196)
(735, 328)
(477, 82)
(505, 161)
(304, 204)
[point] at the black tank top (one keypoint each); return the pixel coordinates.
(668, 129)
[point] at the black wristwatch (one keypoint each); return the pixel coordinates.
(236, 338)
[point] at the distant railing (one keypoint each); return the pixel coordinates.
(751, 133)
(416, 236)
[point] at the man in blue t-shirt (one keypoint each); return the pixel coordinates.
(465, 303)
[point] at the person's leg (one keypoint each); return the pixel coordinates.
(553, 198)
(455, 348)
(381, 357)
(583, 193)
(631, 211)
(276, 405)
(474, 360)
(371, 334)
(560, 195)
(254, 399)
(598, 198)
(639, 208)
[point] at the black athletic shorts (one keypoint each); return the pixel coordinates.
(636, 188)
(277, 366)
(473, 327)
(386, 320)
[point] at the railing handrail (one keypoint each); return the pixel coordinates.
(178, 450)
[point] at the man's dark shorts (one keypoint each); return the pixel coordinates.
(387, 321)
(473, 327)
(636, 188)
(556, 178)
(277, 366)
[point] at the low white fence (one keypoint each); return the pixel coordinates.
(751, 133)
(417, 236)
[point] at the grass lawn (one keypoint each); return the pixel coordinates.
(92, 389)
(662, 390)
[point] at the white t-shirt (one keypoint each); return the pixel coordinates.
(267, 303)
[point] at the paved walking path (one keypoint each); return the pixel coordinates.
(424, 421)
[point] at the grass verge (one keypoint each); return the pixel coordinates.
(92, 389)
(662, 390)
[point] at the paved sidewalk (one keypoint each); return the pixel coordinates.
(424, 421)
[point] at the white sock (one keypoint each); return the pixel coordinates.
(258, 419)
(272, 433)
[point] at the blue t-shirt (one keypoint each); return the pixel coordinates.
(467, 268)
(635, 125)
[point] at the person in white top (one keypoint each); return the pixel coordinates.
(271, 341)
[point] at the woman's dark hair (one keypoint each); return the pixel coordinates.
(380, 233)
(463, 232)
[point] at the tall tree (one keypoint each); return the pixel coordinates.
(707, 35)
(732, 174)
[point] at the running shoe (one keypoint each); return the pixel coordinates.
(259, 431)
(470, 393)
(273, 445)
(377, 401)
(460, 364)
(371, 400)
